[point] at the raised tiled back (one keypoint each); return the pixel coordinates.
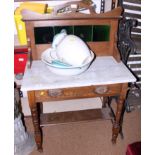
(99, 31)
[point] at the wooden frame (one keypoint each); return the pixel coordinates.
(109, 48)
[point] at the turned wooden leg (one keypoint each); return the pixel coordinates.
(105, 101)
(35, 120)
(117, 123)
(40, 107)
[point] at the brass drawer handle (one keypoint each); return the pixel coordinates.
(55, 92)
(101, 90)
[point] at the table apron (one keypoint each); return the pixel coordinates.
(77, 92)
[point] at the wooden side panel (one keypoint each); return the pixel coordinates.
(31, 39)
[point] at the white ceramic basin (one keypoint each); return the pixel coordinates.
(64, 70)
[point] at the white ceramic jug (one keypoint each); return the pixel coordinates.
(73, 50)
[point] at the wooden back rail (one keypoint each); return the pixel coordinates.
(102, 48)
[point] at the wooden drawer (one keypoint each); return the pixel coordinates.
(77, 92)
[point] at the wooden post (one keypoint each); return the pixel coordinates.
(117, 123)
(35, 119)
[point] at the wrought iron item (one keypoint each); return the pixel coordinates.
(125, 43)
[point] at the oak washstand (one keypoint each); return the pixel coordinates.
(106, 77)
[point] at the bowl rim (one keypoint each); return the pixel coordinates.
(64, 67)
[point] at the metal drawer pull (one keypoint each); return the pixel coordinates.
(55, 92)
(101, 89)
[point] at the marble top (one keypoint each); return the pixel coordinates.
(104, 70)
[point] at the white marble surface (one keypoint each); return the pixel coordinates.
(104, 70)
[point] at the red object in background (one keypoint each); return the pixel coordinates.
(134, 149)
(20, 59)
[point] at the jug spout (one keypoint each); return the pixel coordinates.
(58, 38)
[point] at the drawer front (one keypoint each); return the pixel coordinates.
(77, 92)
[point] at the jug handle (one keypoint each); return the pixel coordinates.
(58, 38)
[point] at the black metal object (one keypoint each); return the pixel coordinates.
(120, 2)
(126, 47)
(102, 6)
(125, 44)
(16, 102)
